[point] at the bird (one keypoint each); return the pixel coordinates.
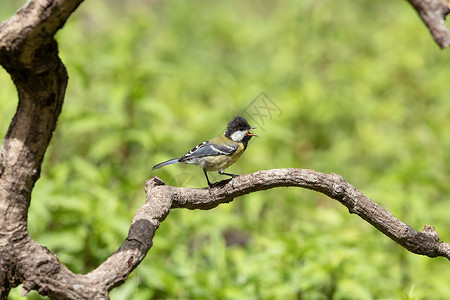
(218, 153)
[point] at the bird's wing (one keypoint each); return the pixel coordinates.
(209, 149)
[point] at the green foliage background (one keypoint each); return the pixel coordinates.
(363, 91)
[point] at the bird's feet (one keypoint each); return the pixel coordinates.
(211, 185)
(221, 172)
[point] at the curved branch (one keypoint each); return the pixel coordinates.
(60, 283)
(433, 14)
(162, 198)
(29, 53)
(333, 185)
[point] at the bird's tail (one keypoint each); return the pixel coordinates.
(166, 163)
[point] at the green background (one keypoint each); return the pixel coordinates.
(362, 91)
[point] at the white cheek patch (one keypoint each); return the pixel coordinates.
(238, 135)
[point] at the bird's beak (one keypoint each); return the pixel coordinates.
(251, 133)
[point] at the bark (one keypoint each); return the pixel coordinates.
(333, 185)
(433, 14)
(29, 53)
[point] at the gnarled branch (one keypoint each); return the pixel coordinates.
(57, 281)
(162, 198)
(29, 53)
(424, 243)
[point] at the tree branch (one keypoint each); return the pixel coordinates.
(433, 14)
(29, 54)
(162, 198)
(333, 185)
(57, 281)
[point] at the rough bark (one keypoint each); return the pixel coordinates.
(333, 185)
(29, 54)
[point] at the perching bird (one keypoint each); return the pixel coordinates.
(220, 152)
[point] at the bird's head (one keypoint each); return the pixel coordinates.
(238, 130)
